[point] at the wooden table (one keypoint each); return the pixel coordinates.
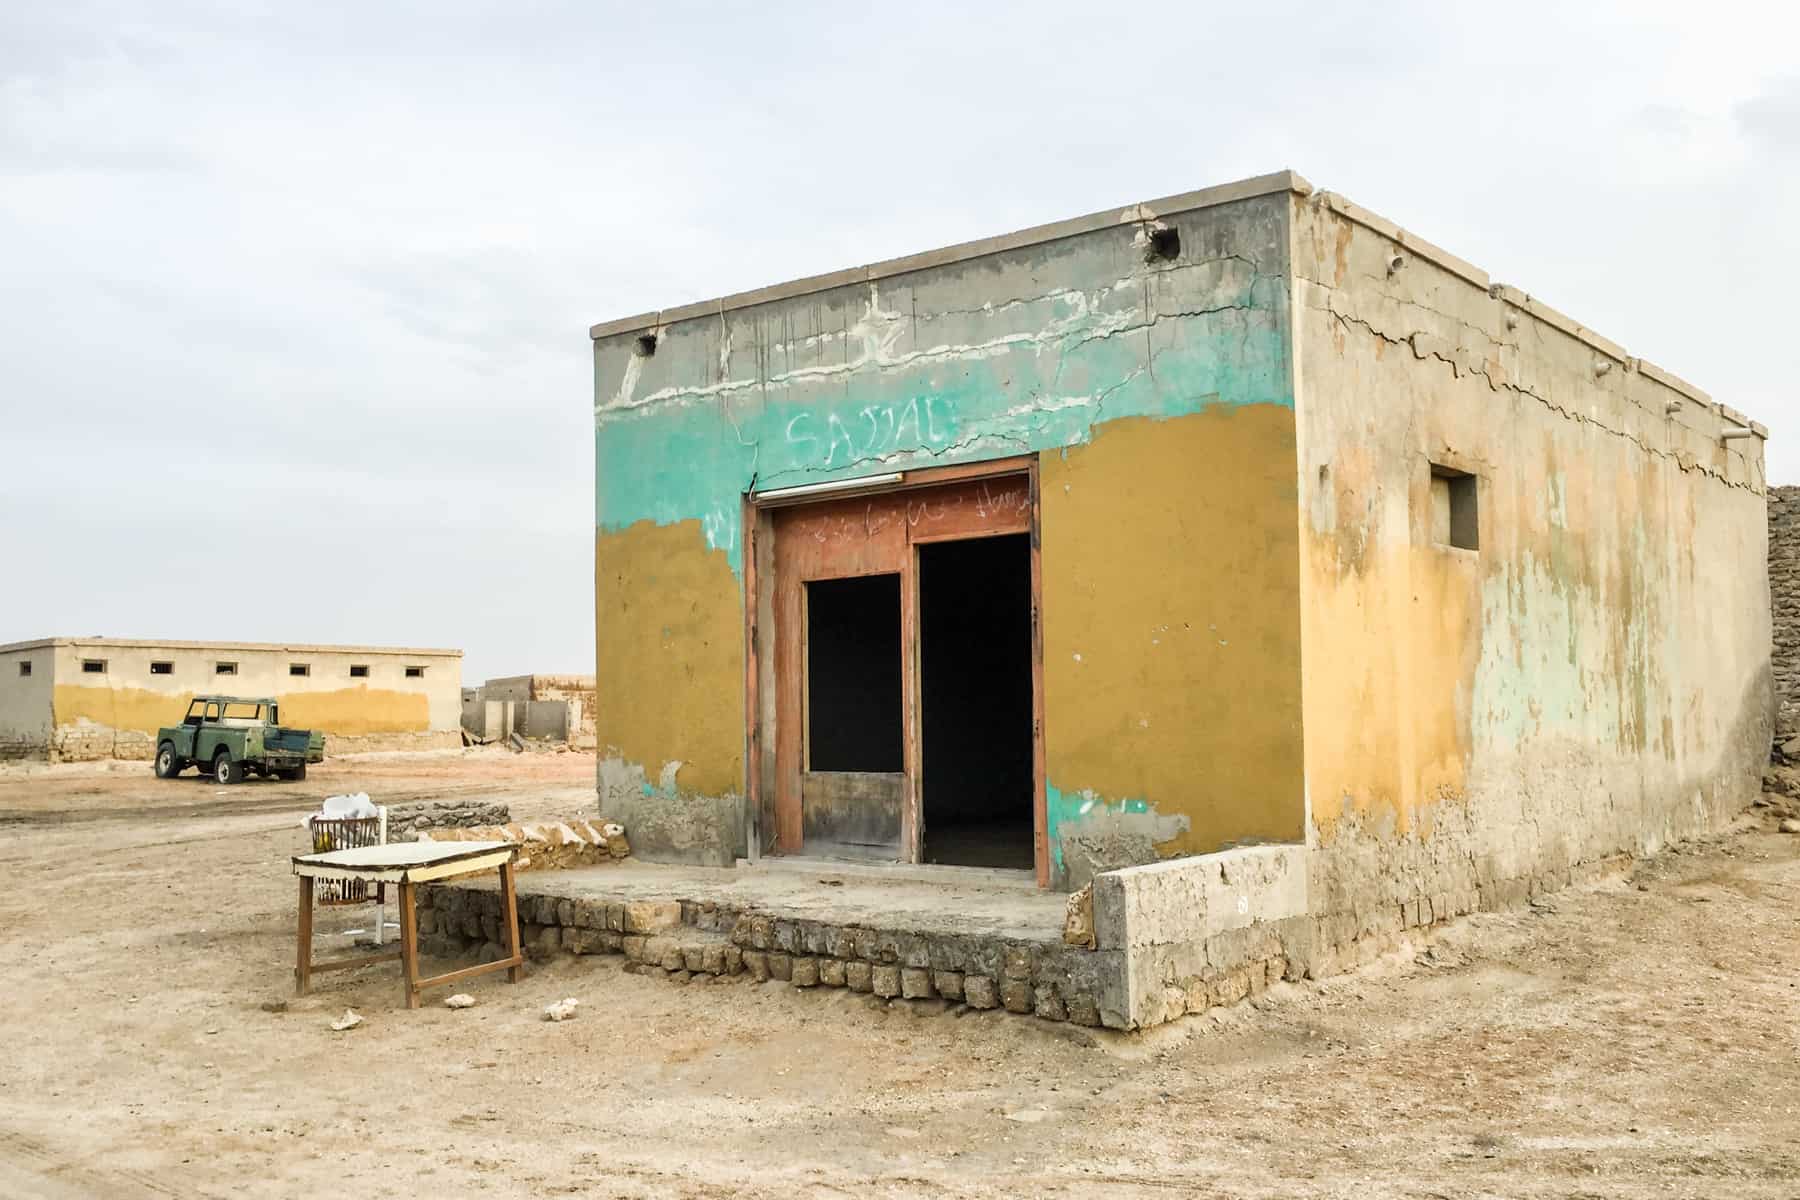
(409, 863)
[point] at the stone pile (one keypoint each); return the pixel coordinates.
(408, 819)
(547, 845)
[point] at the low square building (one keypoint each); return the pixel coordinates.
(1241, 520)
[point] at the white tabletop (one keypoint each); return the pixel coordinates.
(398, 856)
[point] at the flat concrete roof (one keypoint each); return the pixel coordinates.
(1150, 210)
(165, 644)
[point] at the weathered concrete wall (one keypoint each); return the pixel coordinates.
(1157, 389)
(1594, 678)
(116, 712)
(1784, 590)
(26, 681)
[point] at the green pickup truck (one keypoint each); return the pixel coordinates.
(229, 737)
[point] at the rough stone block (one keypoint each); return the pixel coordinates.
(859, 975)
(633, 946)
(1083, 1010)
(787, 936)
(565, 912)
(757, 963)
(978, 992)
(885, 980)
(781, 966)
(1016, 995)
(693, 957)
(615, 916)
(1015, 962)
(428, 921)
(762, 933)
(949, 984)
(1047, 1004)
(831, 972)
(712, 960)
(651, 916)
(915, 983)
(673, 959)
(805, 972)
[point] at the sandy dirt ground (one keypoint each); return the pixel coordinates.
(1637, 1038)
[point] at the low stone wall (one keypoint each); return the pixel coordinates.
(22, 747)
(1784, 590)
(405, 821)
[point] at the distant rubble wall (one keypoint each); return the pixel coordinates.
(557, 707)
(1784, 591)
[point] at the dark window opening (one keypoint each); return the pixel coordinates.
(415, 672)
(975, 701)
(93, 666)
(359, 671)
(1455, 511)
(225, 668)
(162, 668)
(853, 675)
(24, 668)
(646, 345)
(299, 669)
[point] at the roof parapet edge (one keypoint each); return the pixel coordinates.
(1146, 210)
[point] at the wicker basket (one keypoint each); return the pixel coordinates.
(344, 834)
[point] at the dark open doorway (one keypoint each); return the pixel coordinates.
(975, 699)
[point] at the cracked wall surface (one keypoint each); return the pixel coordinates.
(1034, 349)
(1594, 678)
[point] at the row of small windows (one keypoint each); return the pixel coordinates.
(97, 666)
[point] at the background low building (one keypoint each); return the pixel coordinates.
(559, 707)
(73, 699)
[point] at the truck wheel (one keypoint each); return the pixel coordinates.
(167, 765)
(297, 774)
(226, 771)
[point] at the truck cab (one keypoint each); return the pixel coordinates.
(229, 737)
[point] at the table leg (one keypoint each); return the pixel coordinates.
(303, 955)
(509, 920)
(409, 944)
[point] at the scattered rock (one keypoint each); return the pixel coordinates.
(350, 1020)
(562, 1010)
(1029, 1116)
(460, 1000)
(1790, 825)
(274, 1006)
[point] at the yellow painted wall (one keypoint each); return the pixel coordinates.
(1171, 628)
(669, 657)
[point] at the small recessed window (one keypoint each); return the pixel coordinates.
(1455, 508)
(24, 668)
(93, 666)
(359, 671)
(415, 672)
(299, 668)
(224, 668)
(162, 668)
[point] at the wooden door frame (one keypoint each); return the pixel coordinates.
(759, 631)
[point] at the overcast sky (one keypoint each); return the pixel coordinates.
(294, 298)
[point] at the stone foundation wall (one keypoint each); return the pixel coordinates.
(684, 939)
(21, 747)
(1784, 590)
